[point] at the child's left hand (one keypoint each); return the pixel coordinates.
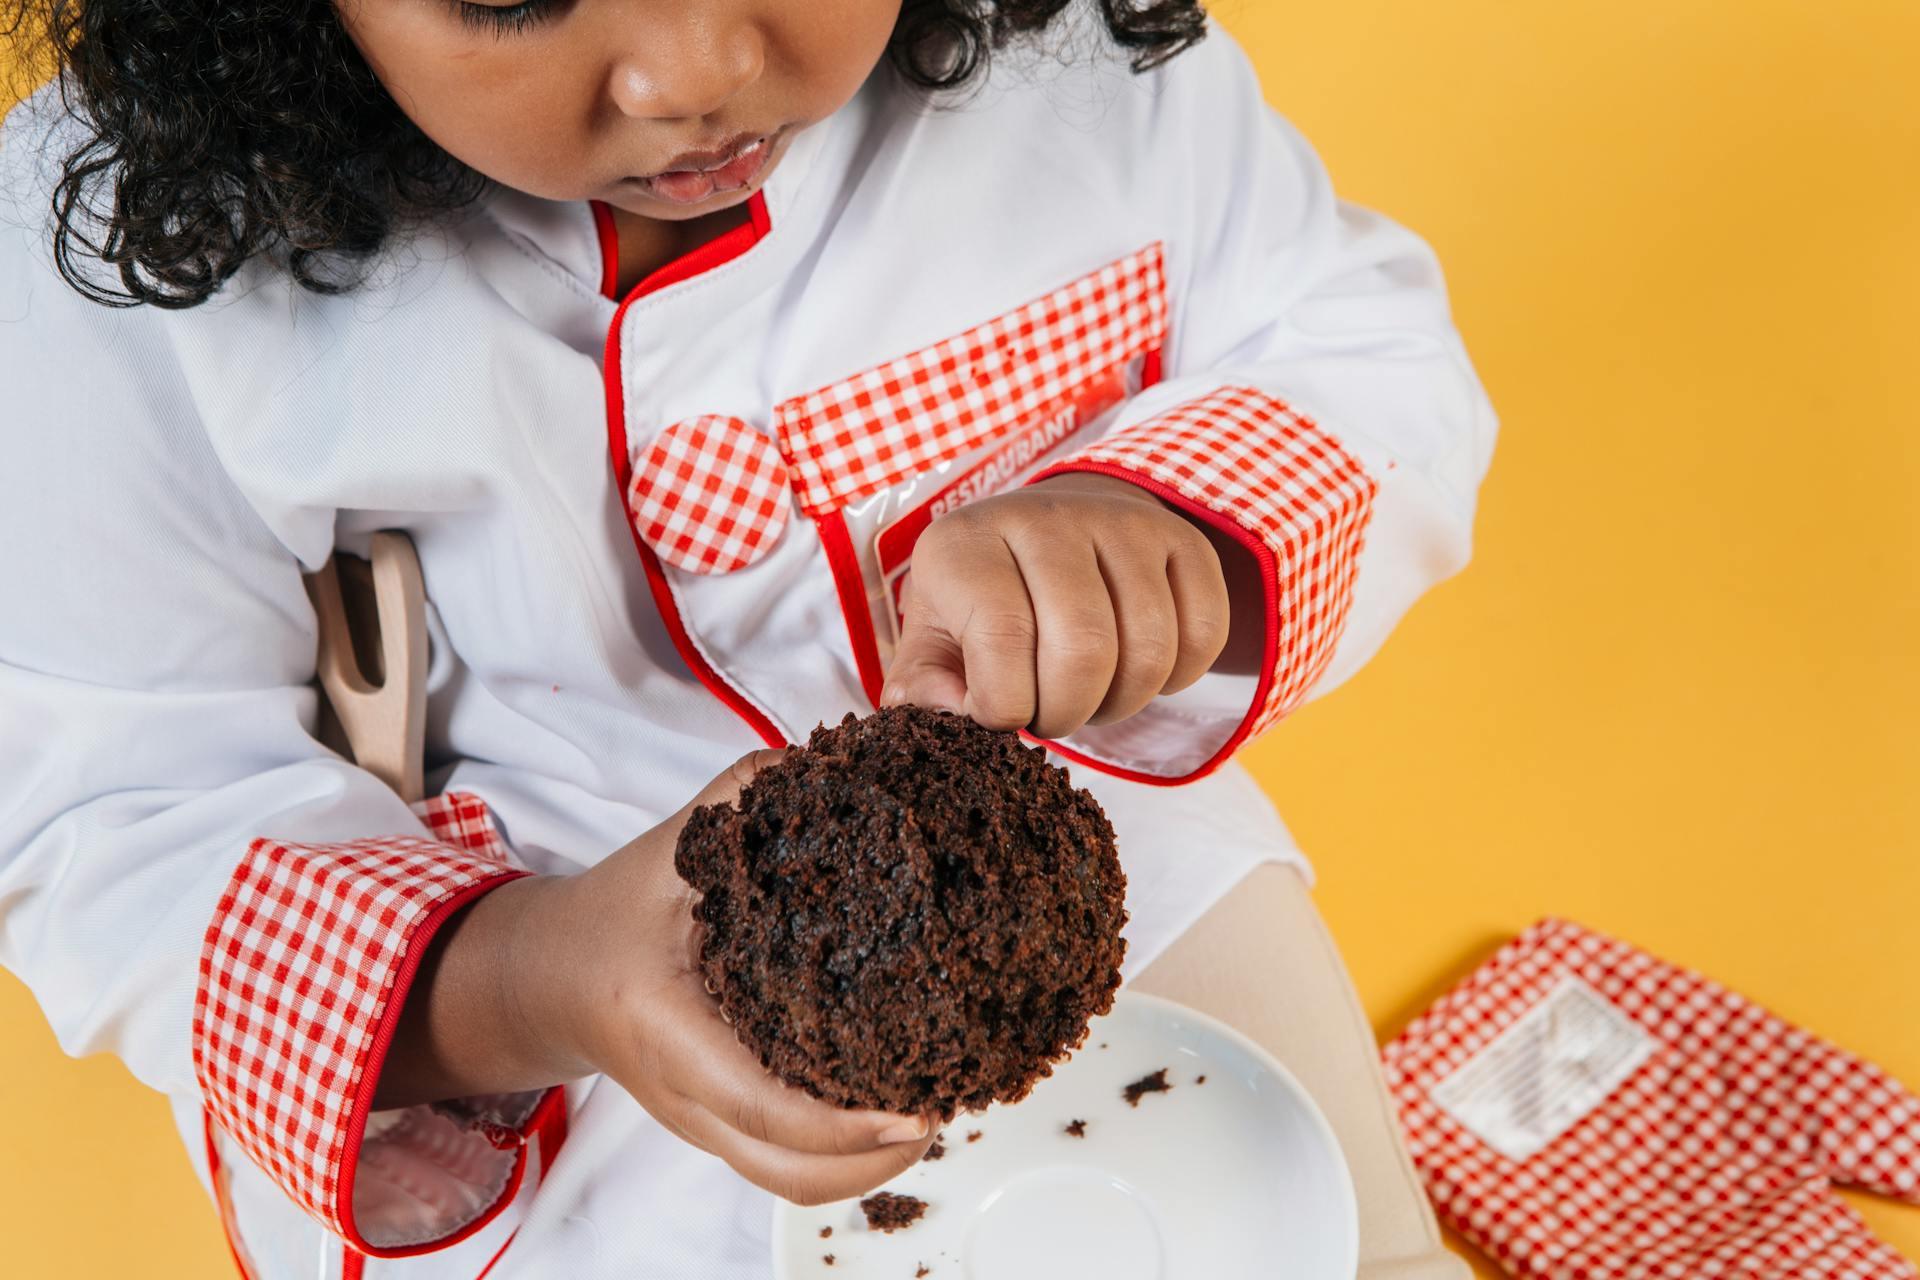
(1079, 599)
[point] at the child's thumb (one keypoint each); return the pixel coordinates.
(725, 788)
(928, 668)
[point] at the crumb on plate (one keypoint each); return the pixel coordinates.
(1155, 1083)
(889, 1212)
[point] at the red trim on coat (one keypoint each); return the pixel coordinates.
(417, 942)
(717, 684)
(549, 1124)
(723, 248)
(216, 1176)
(1270, 647)
(851, 585)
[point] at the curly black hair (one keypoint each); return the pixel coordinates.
(217, 131)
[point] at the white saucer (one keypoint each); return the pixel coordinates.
(1237, 1177)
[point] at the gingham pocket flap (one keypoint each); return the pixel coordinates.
(858, 436)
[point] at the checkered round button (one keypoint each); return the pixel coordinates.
(710, 495)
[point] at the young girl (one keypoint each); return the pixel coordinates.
(675, 333)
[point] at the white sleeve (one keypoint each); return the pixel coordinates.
(188, 879)
(1317, 406)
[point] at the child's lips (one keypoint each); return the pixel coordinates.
(686, 186)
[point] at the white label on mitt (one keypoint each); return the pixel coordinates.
(1541, 1075)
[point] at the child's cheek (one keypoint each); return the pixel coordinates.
(514, 108)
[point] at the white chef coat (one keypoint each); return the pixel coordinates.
(166, 476)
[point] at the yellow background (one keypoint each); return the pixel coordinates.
(1676, 695)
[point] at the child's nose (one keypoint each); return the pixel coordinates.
(686, 69)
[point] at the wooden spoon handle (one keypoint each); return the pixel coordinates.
(383, 712)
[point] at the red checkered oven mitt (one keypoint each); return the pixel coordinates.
(1583, 1111)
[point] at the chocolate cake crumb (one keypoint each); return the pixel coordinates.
(825, 1232)
(1199, 1079)
(911, 914)
(936, 1151)
(974, 1135)
(889, 1212)
(1076, 1128)
(924, 1270)
(1155, 1083)
(827, 1258)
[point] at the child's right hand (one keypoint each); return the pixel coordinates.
(597, 972)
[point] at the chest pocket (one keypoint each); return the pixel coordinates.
(872, 459)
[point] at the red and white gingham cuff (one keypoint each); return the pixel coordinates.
(303, 974)
(1252, 466)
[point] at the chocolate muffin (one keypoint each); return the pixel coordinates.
(912, 913)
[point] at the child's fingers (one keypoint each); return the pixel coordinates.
(1149, 630)
(724, 788)
(1077, 641)
(1204, 608)
(801, 1177)
(970, 587)
(643, 871)
(708, 1065)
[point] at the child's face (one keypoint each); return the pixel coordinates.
(590, 99)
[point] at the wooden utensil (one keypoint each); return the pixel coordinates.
(372, 661)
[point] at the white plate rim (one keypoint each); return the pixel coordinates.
(1349, 1199)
